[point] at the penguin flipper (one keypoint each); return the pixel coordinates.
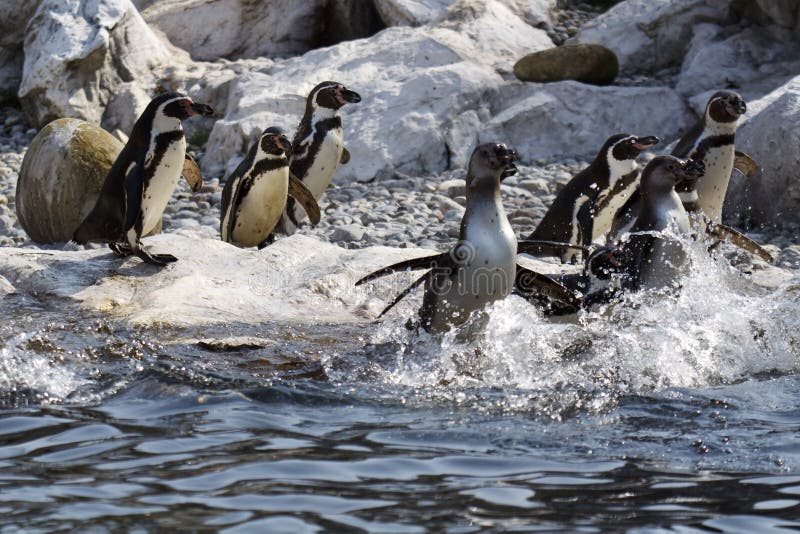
(425, 262)
(405, 292)
(538, 246)
(745, 164)
(726, 233)
(540, 288)
(134, 185)
(345, 156)
(301, 193)
(191, 173)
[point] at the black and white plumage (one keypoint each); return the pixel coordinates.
(255, 193)
(654, 256)
(142, 179)
(585, 207)
(710, 141)
(318, 146)
(481, 268)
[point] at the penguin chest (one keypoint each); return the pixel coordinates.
(713, 185)
(163, 179)
(260, 209)
(487, 269)
(611, 201)
(325, 162)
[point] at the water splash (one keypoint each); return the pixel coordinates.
(26, 374)
(719, 328)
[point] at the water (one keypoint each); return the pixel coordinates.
(673, 413)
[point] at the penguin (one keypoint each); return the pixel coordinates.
(481, 267)
(654, 259)
(318, 146)
(142, 179)
(585, 207)
(255, 193)
(710, 140)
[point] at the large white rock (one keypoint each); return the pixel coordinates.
(756, 59)
(415, 84)
(418, 12)
(298, 279)
(648, 35)
(546, 121)
(78, 52)
(16, 14)
(770, 133)
(212, 29)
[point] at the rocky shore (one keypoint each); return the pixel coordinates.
(435, 82)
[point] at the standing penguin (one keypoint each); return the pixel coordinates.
(481, 267)
(318, 146)
(585, 207)
(142, 179)
(710, 141)
(255, 193)
(653, 258)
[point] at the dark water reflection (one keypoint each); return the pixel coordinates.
(102, 429)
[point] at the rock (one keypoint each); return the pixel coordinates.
(770, 133)
(298, 279)
(586, 63)
(213, 29)
(785, 13)
(755, 60)
(16, 14)
(571, 119)
(537, 13)
(415, 83)
(646, 35)
(77, 53)
(61, 177)
(453, 188)
(348, 233)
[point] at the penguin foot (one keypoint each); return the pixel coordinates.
(160, 260)
(121, 249)
(268, 241)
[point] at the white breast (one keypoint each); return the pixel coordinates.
(489, 276)
(260, 210)
(713, 185)
(320, 174)
(162, 184)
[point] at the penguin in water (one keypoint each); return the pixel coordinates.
(653, 258)
(255, 193)
(318, 146)
(142, 179)
(710, 141)
(482, 266)
(649, 257)
(585, 207)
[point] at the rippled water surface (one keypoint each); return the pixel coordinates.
(664, 412)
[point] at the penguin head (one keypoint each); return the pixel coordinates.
(331, 95)
(624, 146)
(606, 261)
(662, 174)
(491, 162)
(725, 106)
(177, 106)
(273, 141)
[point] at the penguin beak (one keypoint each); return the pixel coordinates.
(737, 107)
(691, 170)
(346, 95)
(506, 157)
(199, 109)
(643, 143)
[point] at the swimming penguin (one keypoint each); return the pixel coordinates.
(585, 207)
(710, 141)
(255, 193)
(653, 256)
(481, 267)
(318, 146)
(142, 179)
